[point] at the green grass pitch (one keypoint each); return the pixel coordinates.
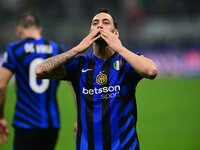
(168, 115)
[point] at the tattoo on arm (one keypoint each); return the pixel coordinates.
(55, 62)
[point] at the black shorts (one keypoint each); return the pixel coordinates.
(35, 139)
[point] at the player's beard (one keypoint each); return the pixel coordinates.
(101, 41)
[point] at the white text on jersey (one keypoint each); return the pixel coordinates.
(31, 48)
(113, 91)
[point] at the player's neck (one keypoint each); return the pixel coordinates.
(102, 52)
(31, 34)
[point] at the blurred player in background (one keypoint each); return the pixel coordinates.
(36, 120)
(105, 84)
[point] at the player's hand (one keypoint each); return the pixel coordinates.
(75, 128)
(87, 41)
(111, 39)
(4, 132)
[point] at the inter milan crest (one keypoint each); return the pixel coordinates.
(117, 64)
(101, 79)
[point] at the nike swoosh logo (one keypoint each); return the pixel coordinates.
(86, 70)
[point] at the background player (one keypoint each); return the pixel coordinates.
(36, 120)
(104, 83)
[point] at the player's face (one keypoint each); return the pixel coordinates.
(103, 21)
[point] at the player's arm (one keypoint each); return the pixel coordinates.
(142, 65)
(5, 76)
(53, 67)
(74, 98)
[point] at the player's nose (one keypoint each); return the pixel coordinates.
(100, 26)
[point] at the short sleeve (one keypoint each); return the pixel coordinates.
(73, 68)
(137, 77)
(9, 60)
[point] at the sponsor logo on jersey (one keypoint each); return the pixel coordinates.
(106, 92)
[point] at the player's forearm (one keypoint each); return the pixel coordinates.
(143, 66)
(5, 76)
(52, 66)
(2, 100)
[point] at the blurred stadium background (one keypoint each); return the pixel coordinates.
(167, 31)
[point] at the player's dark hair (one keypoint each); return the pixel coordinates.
(105, 10)
(28, 19)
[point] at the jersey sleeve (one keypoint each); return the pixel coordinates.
(133, 73)
(9, 60)
(73, 68)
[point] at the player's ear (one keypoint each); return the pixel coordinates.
(19, 31)
(116, 32)
(40, 29)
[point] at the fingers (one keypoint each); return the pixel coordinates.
(7, 131)
(105, 36)
(111, 39)
(93, 36)
(6, 135)
(4, 132)
(95, 33)
(96, 38)
(75, 128)
(3, 137)
(107, 33)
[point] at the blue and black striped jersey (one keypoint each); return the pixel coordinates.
(36, 105)
(106, 103)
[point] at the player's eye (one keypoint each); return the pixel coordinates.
(94, 23)
(106, 22)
